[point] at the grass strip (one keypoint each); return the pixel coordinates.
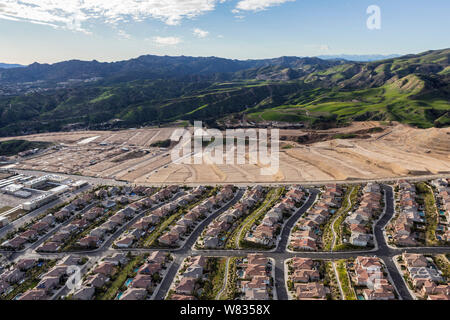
(272, 198)
(152, 238)
(120, 278)
(431, 213)
(347, 289)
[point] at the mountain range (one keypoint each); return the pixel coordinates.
(150, 67)
(9, 66)
(360, 58)
(152, 90)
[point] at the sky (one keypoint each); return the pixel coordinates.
(48, 31)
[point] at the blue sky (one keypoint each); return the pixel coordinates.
(48, 31)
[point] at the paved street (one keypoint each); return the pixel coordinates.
(108, 181)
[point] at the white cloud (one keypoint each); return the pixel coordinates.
(167, 41)
(72, 14)
(200, 33)
(257, 5)
(123, 34)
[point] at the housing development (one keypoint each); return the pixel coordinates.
(76, 237)
(224, 159)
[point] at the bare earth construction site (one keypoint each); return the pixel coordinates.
(362, 151)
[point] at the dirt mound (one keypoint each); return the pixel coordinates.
(360, 151)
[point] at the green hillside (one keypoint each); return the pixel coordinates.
(413, 89)
(402, 100)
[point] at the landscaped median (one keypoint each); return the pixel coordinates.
(234, 239)
(72, 243)
(123, 276)
(222, 227)
(211, 287)
(203, 278)
(200, 278)
(344, 280)
(254, 218)
(331, 240)
(308, 231)
(231, 290)
(331, 281)
(119, 279)
(337, 225)
(152, 240)
(442, 262)
(427, 199)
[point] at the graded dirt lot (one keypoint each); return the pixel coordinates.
(355, 152)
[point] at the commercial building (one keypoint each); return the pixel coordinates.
(39, 201)
(16, 190)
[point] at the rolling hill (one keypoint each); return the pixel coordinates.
(361, 57)
(150, 67)
(152, 90)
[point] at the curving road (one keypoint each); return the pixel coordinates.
(290, 223)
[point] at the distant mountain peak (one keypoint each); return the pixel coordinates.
(10, 66)
(359, 58)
